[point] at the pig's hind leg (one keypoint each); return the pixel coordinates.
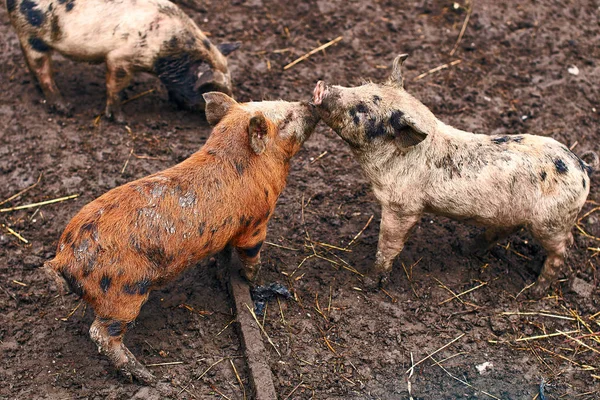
(393, 232)
(39, 61)
(108, 336)
(556, 245)
(118, 76)
(249, 251)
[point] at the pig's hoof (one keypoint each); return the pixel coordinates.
(117, 118)
(62, 108)
(142, 374)
(375, 282)
(538, 291)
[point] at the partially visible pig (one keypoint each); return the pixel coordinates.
(138, 236)
(130, 36)
(417, 164)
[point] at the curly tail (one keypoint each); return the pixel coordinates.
(591, 161)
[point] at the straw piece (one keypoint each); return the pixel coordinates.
(310, 53)
(28, 188)
(434, 353)
(43, 203)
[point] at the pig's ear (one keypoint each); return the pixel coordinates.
(408, 131)
(217, 105)
(258, 129)
(396, 78)
(228, 48)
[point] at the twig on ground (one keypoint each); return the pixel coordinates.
(262, 329)
(15, 234)
(464, 27)
(360, 233)
(165, 364)
(238, 378)
(209, 368)
(293, 390)
(28, 188)
(42, 203)
(463, 293)
(436, 69)
(543, 336)
(434, 353)
(463, 381)
(313, 51)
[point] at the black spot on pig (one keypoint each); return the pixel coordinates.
(134, 242)
(245, 221)
(560, 166)
(583, 182)
(252, 251)
(376, 99)
(517, 139)
(157, 256)
(240, 167)
(105, 283)
(10, 5)
(355, 117)
(256, 233)
(74, 285)
(501, 139)
(206, 43)
(362, 108)
(584, 167)
(140, 287)
(70, 5)
(374, 128)
(396, 120)
(201, 228)
(228, 221)
(266, 194)
(68, 237)
(34, 16)
(90, 228)
(55, 31)
(116, 328)
(543, 175)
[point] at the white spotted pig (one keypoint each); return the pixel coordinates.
(417, 164)
(130, 36)
(140, 235)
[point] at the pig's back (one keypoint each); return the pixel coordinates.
(91, 30)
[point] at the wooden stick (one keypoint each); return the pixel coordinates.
(43, 203)
(463, 29)
(28, 188)
(310, 53)
(293, 390)
(434, 353)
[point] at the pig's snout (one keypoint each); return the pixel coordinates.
(319, 93)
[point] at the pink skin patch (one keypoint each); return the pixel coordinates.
(318, 93)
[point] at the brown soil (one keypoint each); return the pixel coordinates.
(336, 342)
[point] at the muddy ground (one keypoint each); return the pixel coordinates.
(336, 341)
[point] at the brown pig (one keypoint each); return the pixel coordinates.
(417, 164)
(140, 235)
(130, 36)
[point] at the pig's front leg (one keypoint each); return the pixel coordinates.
(118, 76)
(249, 252)
(393, 232)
